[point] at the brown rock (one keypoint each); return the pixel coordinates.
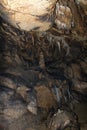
(84, 66)
(63, 17)
(79, 86)
(76, 71)
(45, 98)
(60, 120)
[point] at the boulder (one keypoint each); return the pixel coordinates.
(28, 14)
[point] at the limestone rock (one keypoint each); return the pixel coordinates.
(28, 14)
(80, 87)
(83, 4)
(63, 17)
(60, 120)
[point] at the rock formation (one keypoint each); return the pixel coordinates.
(43, 63)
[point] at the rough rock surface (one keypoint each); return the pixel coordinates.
(29, 14)
(41, 73)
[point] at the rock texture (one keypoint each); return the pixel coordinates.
(42, 74)
(29, 14)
